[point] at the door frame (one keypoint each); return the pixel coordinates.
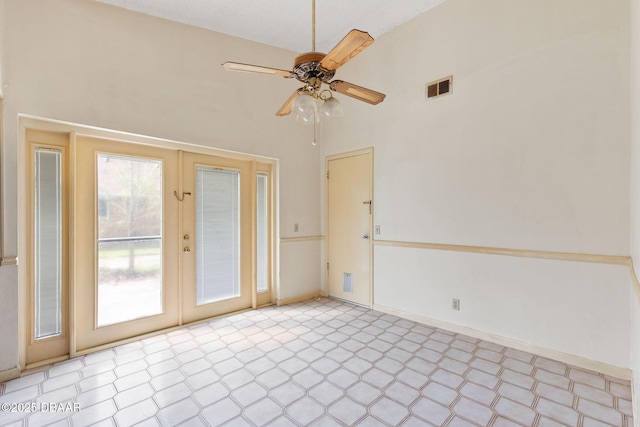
(339, 156)
(71, 131)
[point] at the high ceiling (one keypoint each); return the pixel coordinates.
(285, 23)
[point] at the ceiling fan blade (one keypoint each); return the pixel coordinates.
(248, 68)
(286, 107)
(351, 45)
(358, 92)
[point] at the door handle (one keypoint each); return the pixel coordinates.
(365, 236)
(187, 249)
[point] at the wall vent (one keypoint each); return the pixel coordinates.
(439, 88)
(347, 283)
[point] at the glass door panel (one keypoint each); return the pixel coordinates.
(126, 236)
(47, 252)
(129, 238)
(217, 265)
(217, 234)
(48, 243)
(262, 233)
(263, 227)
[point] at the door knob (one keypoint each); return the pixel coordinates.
(187, 249)
(365, 236)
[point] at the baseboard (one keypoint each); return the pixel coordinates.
(9, 374)
(46, 362)
(301, 239)
(581, 362)
(297, 298)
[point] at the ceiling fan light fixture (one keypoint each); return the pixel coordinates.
(331, 109)
(306, 108)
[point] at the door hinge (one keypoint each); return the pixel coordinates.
(368, 202)
(327, 174)
(327, 266)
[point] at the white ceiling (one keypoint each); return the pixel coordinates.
(285, 23)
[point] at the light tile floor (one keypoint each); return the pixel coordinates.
(320, 363)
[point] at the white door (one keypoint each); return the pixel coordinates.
(349, 226)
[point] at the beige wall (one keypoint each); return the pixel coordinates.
(531, 151)
(84, 62)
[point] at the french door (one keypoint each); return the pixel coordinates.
(216, 236)
(126, 241)
(159, 238)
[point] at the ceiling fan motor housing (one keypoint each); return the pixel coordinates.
(307, 66)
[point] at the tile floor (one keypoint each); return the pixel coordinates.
(319, 363)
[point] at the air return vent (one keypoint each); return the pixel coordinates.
(347, 283)
(439, 87)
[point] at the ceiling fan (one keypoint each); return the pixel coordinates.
(314, 69)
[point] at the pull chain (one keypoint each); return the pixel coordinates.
(315, 133)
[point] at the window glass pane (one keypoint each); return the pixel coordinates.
(217, 234)
(262, 230)
(129, 238)
(48, 243)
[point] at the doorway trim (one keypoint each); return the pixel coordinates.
(339, 156)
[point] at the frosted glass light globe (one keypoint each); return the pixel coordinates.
(306, 109)
(331, 109)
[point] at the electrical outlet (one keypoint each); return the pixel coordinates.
(295, 227)
(377, 229)
(455, 304)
